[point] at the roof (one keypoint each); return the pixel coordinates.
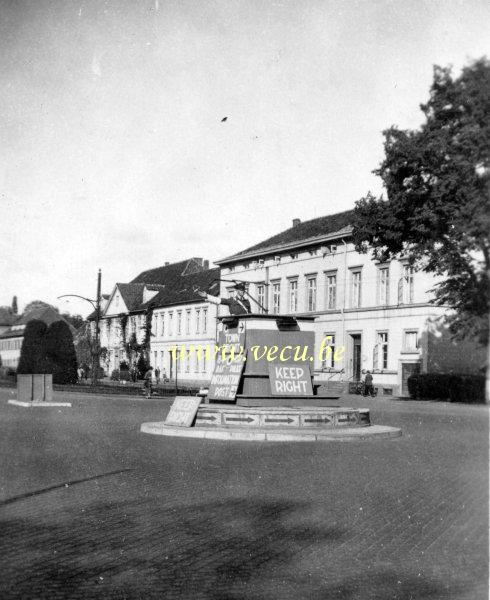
(184, 292)
(47, 314)
(307, 232)
(174, 283)
(7, 317)
(171, 273)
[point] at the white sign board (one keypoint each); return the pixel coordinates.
(183, 411)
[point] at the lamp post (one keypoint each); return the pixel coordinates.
(96, 305)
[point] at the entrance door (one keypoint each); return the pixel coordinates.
(407, 370)
(356, 356)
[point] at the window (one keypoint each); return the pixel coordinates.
(293, 295)
(328, 353)
(161, 361)
(410, 341)
(311, 294)
(179, 322)
(261, 296)
(276, 297)
(382, 351)
(170, 323)
(332, 290)
(198, 320)
(407, 285)
(204, 366)
(155, 358)
(204, 320)
(187, 362)
(383, 285)
(162, 321)
(355, 296)
(187, 322)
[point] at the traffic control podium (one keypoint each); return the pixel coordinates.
(279, 353)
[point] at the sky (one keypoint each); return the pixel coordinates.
(113, 151)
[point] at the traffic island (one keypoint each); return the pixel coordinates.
(262, 389)
(272, 424)
(38, 404)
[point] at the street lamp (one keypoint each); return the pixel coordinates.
(96, 305)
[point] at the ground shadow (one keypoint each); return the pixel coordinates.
(234, 549)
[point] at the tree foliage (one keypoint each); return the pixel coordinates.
(60, 353)
(437, 181)
(33, 351)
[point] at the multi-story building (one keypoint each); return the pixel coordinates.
(380, 313)
(161, 311)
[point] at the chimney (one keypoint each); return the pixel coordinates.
(296, 222)
(205, 265)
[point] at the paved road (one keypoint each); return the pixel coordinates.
(91, 508)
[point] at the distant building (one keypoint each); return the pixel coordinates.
(379, 312)
(11, 338)
(180, 321)
(7, 317)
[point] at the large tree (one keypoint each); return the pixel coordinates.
(33, 351)
(436, 210)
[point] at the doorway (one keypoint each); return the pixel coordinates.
(356, 356)
(408, 369)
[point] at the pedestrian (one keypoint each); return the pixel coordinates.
(368, 384)
(80, 374)
(164, 376)
(157, 375)
(133, 373)
(148, 382)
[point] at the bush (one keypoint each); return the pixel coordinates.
(447, 386)
(123, 366)
(60, 353)
(120, 375)
(33, 351)
(142, 366)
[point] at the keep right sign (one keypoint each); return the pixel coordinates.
(292, 378)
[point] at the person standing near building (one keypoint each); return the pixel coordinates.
(368, 384)
(157, 376)
(148, 382)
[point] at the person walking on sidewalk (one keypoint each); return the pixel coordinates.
(148, 382)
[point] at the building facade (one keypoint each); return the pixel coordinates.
(379, 313)
(161, 314)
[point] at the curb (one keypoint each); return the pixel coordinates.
(238, 434)
(38, 404)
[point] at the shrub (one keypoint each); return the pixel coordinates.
(143, 365)
(115, 375)
(60, 353)
(33, 351)
(447, 386)
(123, 366)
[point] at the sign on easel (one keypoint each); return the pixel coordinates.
(291, 378)
(183, 411)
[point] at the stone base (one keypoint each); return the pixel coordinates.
(249, 434)
(38, 404)
(281, 417)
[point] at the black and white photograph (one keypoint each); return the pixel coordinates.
(244, 299)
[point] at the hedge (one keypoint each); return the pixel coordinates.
(447, 386)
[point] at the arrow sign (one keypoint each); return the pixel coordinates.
(288, 420)
(205, 418)
(319, 420)
(243, 419)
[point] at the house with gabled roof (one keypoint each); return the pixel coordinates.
(163, 300)
(381, 314)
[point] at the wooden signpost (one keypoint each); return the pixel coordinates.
(291, 378)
